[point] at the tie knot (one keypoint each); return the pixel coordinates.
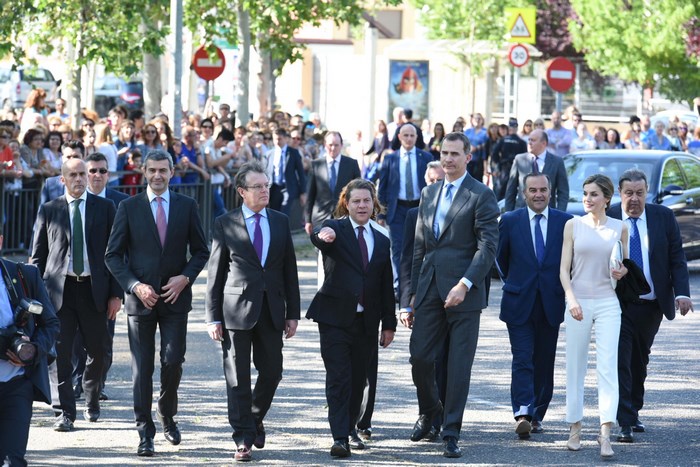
(159, 199)
(360, 228)
(257, 216)
(538, 217)
(634, 220)
(77, 202)
(448, 188)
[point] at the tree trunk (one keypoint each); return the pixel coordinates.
(72, 85)
(243, 85)
(264, 83)
(151, 85)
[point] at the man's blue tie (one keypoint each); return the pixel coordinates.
(636, 244)
(539, 239)
(443, 207)
(333, 177)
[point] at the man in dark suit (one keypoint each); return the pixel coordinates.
(433, 174)
(537, 160)
(456, 239)
(97, 175)
(327, 178)
(532, 306)
(285, 169)
(156, 229)
(356, 296)
(70, 241)
(400, 184)
(655, 245)
(22, 382)
(252, 298)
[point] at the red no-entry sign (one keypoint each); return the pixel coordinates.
(206, 68)
(561, 74)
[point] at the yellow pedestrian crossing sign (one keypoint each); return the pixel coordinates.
(520, 24)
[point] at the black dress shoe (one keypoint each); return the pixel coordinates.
(355, 441)
(103, 395)
(146, 448)
(91, 415)
(63, 423)
(451, 449)
(638, 427)
(365, 434)
(536, 427)
(425, 423)
(340, 448)
(433, 434)
(259, 436)
(625, 435)
(170, 429)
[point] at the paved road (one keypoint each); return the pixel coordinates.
(298, 431)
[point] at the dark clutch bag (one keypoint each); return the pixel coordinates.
(633, 284)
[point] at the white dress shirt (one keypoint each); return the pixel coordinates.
(86, 262)
(154, 204)
(543, 225)
(414, 175)
(368, 235)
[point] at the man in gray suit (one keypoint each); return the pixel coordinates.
(455, 247)
(252, 298)
(537, 160)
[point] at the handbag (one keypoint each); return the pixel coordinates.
(615, 261)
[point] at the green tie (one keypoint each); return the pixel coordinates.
(78, 261)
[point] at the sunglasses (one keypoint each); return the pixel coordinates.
(94, 171)
(150, 132)
(209, 127)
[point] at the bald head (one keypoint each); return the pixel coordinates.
(407, 136)
(74, 177)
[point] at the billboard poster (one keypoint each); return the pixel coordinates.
(408, 87)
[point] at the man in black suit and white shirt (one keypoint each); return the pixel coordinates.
(70, 241)
(155, 230)
(285, 169)
(252, 298)
(655, 242)
(356, 296)
(537, 160)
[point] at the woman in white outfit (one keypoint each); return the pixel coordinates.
(585, 275)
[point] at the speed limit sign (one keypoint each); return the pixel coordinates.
(518, 55)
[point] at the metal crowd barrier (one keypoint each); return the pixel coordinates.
(19, 209)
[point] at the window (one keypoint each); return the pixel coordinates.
(692, 172)
(672, 175)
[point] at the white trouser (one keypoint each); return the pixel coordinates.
(606, 315)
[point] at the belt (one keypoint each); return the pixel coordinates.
(78, 279)
(411, 204)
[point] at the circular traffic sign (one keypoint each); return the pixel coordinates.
(518, 55)
(205, 67)
(561, 74)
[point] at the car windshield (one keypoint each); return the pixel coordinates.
(578, 168)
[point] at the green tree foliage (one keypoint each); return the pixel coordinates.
(113, 32)
(644, 42)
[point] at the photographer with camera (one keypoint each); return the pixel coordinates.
(28, 331)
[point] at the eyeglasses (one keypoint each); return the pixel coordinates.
(685, 128)
(150, 132)
(94, 171)
(528, 124)
(209, 127)
(259, 187)
(673, 129)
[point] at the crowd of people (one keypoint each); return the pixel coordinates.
(406, 221)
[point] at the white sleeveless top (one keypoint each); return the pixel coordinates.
(590, 272)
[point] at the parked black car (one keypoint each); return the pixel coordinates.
(674, 181)
(111, 91)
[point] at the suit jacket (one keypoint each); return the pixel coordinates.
(406, 262)
(43, 330)
(523, 276)
(553, 168)
(466, 246)
(390, 179)
(294, 177)
(52, 242)
(237, 283)
(320, 202)
(345, 279)
(116, 196)
(135, 234)
(667, 263)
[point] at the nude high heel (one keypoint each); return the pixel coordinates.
(606, 450)
(574, 442)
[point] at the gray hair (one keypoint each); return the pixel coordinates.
(533, 174)
(253, 166)
(633, 175)
(433, 165)
(158, 155)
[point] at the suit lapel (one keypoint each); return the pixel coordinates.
(432, 199)
(150, 220)
(241, 228)
(349, 233)
(65, 221)
(526, 234)
(89, 218)
(379, 240)
(276, 240)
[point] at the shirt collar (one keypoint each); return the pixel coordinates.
(541, 155)
(355, 225)
(152, 195)
(248, 213)
(457, 183)
(643, 217)
(404, 152)
(531, 214)
(101, 194)
(329, 159)
(70, 199)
